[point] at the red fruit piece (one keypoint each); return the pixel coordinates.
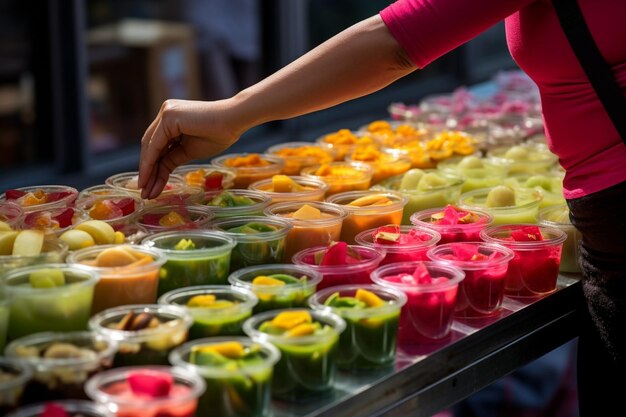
(151, 219)
(421, 275)
(54, 410)
(336, 254)
(57, 195)
(65, 218)
(14, 194)
(464, 252)
(415, 236)
(387, 235)
(153, 384)
(127, 205)
(527, 234)
(213, 181)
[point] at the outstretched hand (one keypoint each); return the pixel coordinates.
(182, 131)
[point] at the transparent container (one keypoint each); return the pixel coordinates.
(362, 217)
(306, 233)
(428, 314)
(242, 389)
(246, 175)
(401, 252)
(341, 176)
(127, 182)
(112, 389)
(41, 197)
(548, 184)
(195, 176)
(61, 363)
(12, 387)
(384, 164)
(53, 221)
(162, 218)
(525, 210)
(141, 344)
(115, 208)
(307, 365)
(343, 142)
(265, 243)
(333, 275)
(558, 216)
(534, 270)
(53, 250)
(11, 214)
(194, 257)
(485, 265)
(477, 172)
(55, 307)
(259, 202)
(369, 340)
(315, 190)
(526, 158)
(460, 232)
(98, 191)
(299, 155)
(131, 283)
(293, 293)
(73, 408)
(224, 316)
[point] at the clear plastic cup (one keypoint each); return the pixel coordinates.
(97, 191)
(64, 307)
(333, 275)
(293, 293)
(526, 158)
(266, 245)
(343, 142)
(73, 408)
(307, 233)
(428, 314)
(367, 216)
(61, 363)
(142, 343)
(115, 208)
(134, 283)
(437, 196)
(246, 175)
(485, 265)
(176, 189)
(112, 389)
(341, 176)
(534, 270)
(53, 221)
(223, 317)
(53, 250)
(549, 184)
(41, 197)
(369, 340)
(194, 257)
(460, 232)
(384, 164)
(315, 190)
(11, 214)
(242, 389)
(195, 176)
(403, 252)
(485, 173)
(525, 210)
(162, 218)
(16, 374)
(299, 155)
(5, 314)
(307, 365)
(558, 216)
(259, 202)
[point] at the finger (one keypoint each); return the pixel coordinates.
(175, 157)
(145, 141)
(157, 144)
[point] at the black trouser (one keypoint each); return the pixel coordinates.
(601, 218)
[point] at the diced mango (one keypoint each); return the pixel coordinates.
(201, 300)
(172, 219)
(307, 212)
(263, 280)
(290, 319)
(231, 350)
(303, 329)
(284, 184)
(369, 298)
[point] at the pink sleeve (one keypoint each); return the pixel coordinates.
(427, 29)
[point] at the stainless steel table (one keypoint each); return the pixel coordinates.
(427, 379)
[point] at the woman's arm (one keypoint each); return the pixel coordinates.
(360, 60)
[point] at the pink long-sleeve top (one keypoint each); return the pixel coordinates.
(578, 129)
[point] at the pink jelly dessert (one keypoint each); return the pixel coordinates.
(340, 263)
(534, 269)
(400, 243)
(485, 265)
(431, 291)
(147, 392)
(453, 223)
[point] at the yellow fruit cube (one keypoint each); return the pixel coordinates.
(369, 298)
(290, 319)
(307, 212)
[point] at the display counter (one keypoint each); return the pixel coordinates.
(429, 378)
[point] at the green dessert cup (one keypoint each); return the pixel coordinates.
(53, 251)
(236, 203)
(308, 363)
(48, 306)
(525, 209)
(558, 216)
(298, 284)
(217, 310)
(146, 333)
(260, 240)
(369, 340)
(194, 257)
(237, 380)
